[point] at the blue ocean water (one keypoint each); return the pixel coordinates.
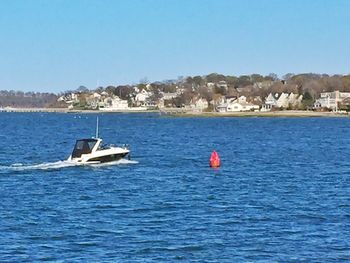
(282, 193)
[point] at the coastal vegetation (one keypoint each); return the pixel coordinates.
(183, 91)
(13, 98)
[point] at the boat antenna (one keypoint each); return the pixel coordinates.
(96, 127)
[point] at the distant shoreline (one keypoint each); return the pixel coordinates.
(270, 114)
(8, 109)
(286, 113)
(65, 110)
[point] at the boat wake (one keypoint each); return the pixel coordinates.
(61, 165)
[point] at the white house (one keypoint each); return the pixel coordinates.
(211, 85)
(331, 99)
(93, 100)
(283, 100)
(222, 84)
(199, 104)
(235, 104)
(222, 107)
(179, 91)
(242, 99)
(62, 98)
(74, 97)
(270, 102)
(136, 89)
(115, 104)
(69, 99)
(166, 97)
(142, 97)
(295, 99)
(169, 95)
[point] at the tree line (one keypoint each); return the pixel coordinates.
(27, 99)
(209, 87)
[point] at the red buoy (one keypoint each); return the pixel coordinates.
(214, 160)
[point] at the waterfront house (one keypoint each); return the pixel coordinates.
(236, 104)
(281, 100)
(199, 104)
(114, 104)
(270, 102)
(222, 107)
(141, 97)
(331, 100)
(243, 106)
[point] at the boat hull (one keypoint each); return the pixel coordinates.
(107, 158)
(101, 156)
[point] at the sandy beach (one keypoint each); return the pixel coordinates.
(179, 113)
(265, 114)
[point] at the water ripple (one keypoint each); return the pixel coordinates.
(281, 195)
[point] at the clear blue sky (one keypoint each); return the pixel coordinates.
(56, 45)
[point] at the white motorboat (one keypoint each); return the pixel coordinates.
(92, 151)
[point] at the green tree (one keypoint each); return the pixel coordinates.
(215, 77)
(141, 86)
(307, 100)
(82, 89)
(110, 89)
(198, 81)
(256, 78)
(231, 80)
(244, 80)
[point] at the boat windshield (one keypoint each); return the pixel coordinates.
(83, 147)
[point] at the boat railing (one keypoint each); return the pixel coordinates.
(125, 146)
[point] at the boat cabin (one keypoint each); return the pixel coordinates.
(85, 146)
